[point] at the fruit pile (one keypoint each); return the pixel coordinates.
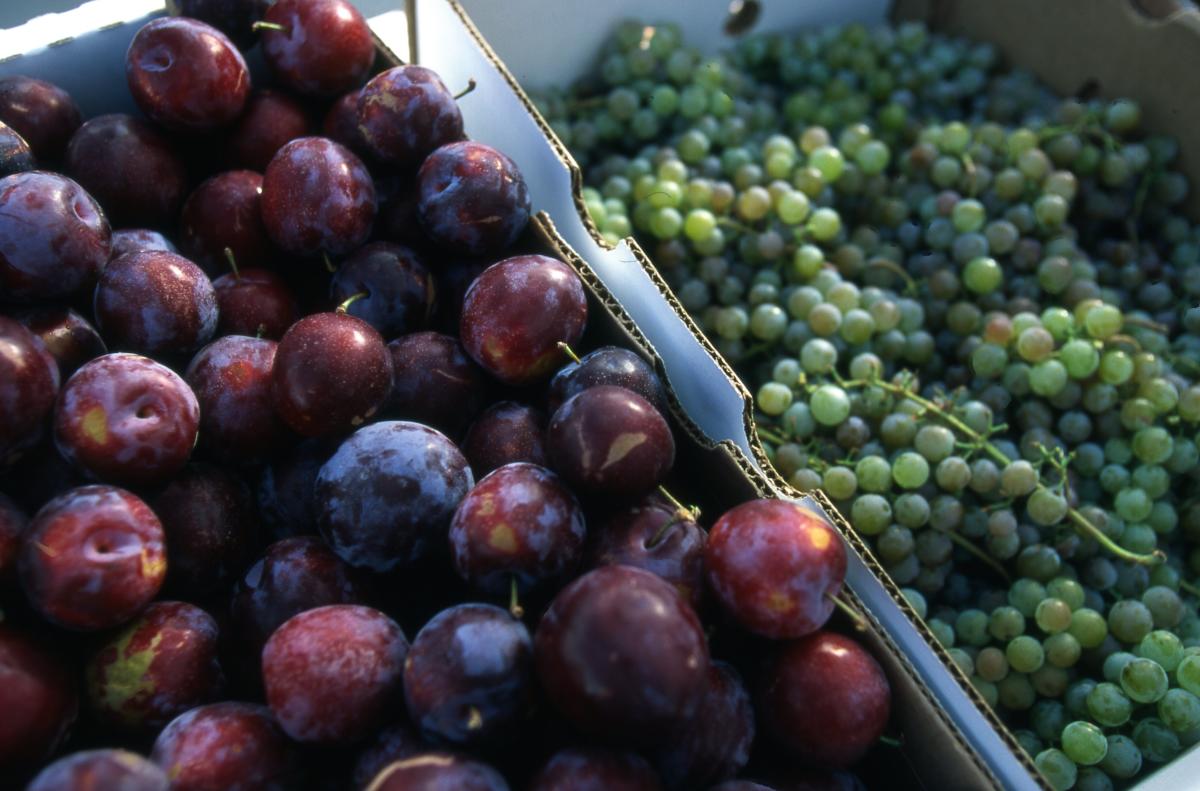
(968, 311)
(316, 393)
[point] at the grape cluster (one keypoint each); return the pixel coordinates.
(968, 311)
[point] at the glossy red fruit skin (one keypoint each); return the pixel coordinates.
(435, 382)
(385, 498)
(38, 696)
(624, 538)
(716, 744)
(824, 699)
(269, 122)
(131, 169)
(15, 154)
(227, 747)
(231, 378)
(156, 668)
(341, 124)
(595, 769)
(29, 383)
(393, 743)
(212, 530)
(623, 657)
(608, 365)
(520, 523)
(333, 674)
(515, 314)
(433, 771)
(69, 337)
(97, 769)
(128, 419)
(324, 49)
(317, 197)
(472, 199)
(775, 566)
(135, 240)
(504, 433)
(255, 302)
(93, 558)
(186, 75)
(294, 575)
(54, 239)
(398, 286)
(156, 303)
(13, 522)
(41, 112)
(610, 441)
(234, 18)
(225, 212)
(406, 112)
(332, 373)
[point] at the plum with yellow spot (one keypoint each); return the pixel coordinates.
(93, 558)
(776, 567)
(156, 668)
(126, 419)
(468, 678)
(519, 525)
(610, 441)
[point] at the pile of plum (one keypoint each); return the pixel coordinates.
(313, 395)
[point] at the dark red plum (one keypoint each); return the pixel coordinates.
(41, 112)
(623, 657)
(69, 337)
(224, 212)
(317, 197)
(608, 365)
(156, 303)
(435, 382)
(295, 574)
(393, 743)
(798, 778)
(135, 240)
(775, 566)
(186, 75)
(658, 537)
(438, 772)
(405, 113)
(610, 441)
(740, 785)
(519, 525)
(471, 198)
(93, 558)
(285, 493)
(517, 312)
(594, 769)
(332, 373)
(131, 168)
(716, 743)
(13, 522)
(269, 122)
(468, 678)
(385, 498)
(317, 47)
(41, 475)
(38, 696)
(504, 433)
(254, 302)
(128, 419)
(54, 239)
(399, 288)
(29, 383)
(824, 699)
(156, 668)
(341, 124)
(334, 674)
(453, 277)
(231, 378)
(212, 531)
(101, 769)
(234, 18)
(227, 747)
(15, 154)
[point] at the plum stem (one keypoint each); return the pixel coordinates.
(342, 308)
(660, 535)
(514, 604)
(237, 275)
(43, 548)
(263, 25)
(891, 741)
(470, 87)
(261, 331)
(329, 267)
(686, 512)
(860, 623)
(567, 350)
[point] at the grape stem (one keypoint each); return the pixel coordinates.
(987, 559)
(1073, 515)
(910, 285)
(771, 436)
(1190, 588)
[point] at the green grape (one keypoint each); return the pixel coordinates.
(699, 224)
(1108, 705)
(824, 224)
(1018, 479)
(1048, 378)
(1024, 596)
(1062, 650)
(1080, 358)
(1133, 504)
(1116, 367)
(872, 157)
(1029, 741)
(982, 275)
(1059, 770)
(1092, 778)
(1114, 663)
(1075, 698)
(917, 600)
(792, 207)
(1123, 758)
(1084, 743)
(798, 421)
(971, 627)
(825, 319)
(1048, 718)
(1144, 680)
(768, 322)
(1015, 692)
(870, 514)
(1052, 616)
(910, 470)
(942, 631)
(829, 161)
(935, 443)
(840, 482)
(830, 405)
(1153, 445)
(1024, 654)
(1046, 507)
(874, 474)
(818, 356)
(774, 398)
(1129, 621)
(1088, 627)
(1179, 710)
(991, 664)
(1067, 589)
(1163, 647)
(1155, 740)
